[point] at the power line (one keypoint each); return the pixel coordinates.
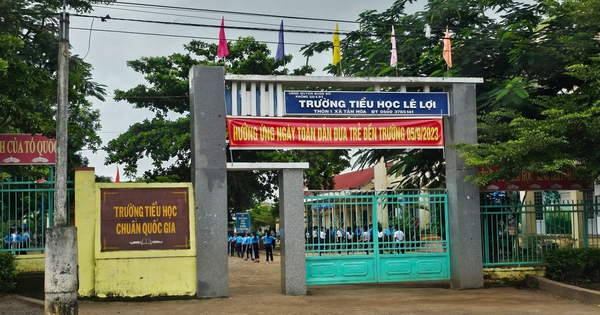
(171, 35)
(234, 12)
(106, 18)
(211, 18)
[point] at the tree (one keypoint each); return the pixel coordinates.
(167, 141)
(28, 85)
(261, 216)
(554, 135)
(532, 57)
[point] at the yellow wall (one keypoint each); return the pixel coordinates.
(31, 263)
(149, 276)
(128, 273)
(504, 276)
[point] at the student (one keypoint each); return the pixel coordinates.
(26, 238)
(245, 247)
(238, 245)
(269, 240)
(339, 236)
(272, 232)
(349, 239)
(10, 238)
(231, 247)
(399, 239)
(254, 241)
(366, 238)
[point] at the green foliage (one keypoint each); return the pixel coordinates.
(167, 141)
(261, 216)
(28, 87)
(558, 223)
(574, 265)
(8, 272)
(538, 103)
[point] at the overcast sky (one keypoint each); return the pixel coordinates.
(108, 52)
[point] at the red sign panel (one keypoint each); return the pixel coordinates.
(18, 149)
(144, 219)
(334, 133)
(531, 181)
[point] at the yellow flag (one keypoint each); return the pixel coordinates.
(336, 46)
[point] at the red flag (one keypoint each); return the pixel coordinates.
(447, 49)
(222, 51)
(118, 177)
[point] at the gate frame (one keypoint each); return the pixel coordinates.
(208, 131)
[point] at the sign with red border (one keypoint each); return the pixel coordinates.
(144, 219)
(334, 133)
(21, 149)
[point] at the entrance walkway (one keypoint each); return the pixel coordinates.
(254, 288)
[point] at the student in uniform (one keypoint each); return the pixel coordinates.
(238, 244)
(269, 240)
(254, 239)
(399, 239)
(366, 238)
(232, 241)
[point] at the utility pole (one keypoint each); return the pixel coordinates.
(61, 282)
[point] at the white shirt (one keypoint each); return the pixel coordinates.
(399, 236)
(366, 236)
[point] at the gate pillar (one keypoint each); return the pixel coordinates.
(291, 213)
(463, 197)
(209, 177)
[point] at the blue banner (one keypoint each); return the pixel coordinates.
(242, 222)
(344, 103)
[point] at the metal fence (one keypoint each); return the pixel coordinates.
(360, 222)
(516, 233)
(26, 208)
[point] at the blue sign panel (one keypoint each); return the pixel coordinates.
(325, 103)
(242, 222)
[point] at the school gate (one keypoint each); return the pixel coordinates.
(254, 110)
(376, 236)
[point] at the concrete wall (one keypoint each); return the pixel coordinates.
(128, 273)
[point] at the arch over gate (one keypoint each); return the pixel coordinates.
(209, 108)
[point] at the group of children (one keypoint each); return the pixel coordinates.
(17, 239)
(247, 245)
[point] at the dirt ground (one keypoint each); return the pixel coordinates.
(255, 288)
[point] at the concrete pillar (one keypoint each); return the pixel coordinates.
(463, 197)
(60, 285)
(85, 221)
(291, 218)
(209, 177)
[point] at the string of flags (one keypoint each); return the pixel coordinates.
(223, 50)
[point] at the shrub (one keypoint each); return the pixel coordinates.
(574, 265)
(8, 272)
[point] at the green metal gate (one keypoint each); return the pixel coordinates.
(351, 236)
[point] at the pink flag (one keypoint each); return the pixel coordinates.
(118, 177)
(394, 56)
(447, 49)
(223, 51)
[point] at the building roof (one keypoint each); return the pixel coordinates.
(355, 179)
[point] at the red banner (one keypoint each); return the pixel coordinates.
(532, 181)
(334, 133)
(18, 149)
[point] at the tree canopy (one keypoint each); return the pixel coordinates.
(166, 137)
(28, 84)
(537, 105)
